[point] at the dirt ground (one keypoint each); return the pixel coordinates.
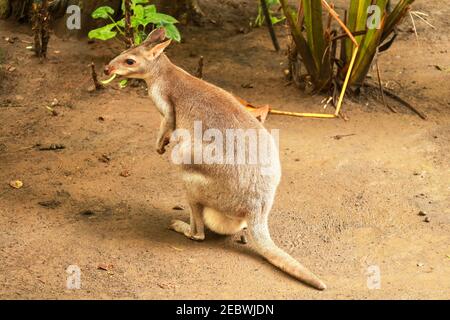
(106, 200)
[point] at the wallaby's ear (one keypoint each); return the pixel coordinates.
(155, 36)
(158, 49)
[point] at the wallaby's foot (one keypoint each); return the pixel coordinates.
(184, 228)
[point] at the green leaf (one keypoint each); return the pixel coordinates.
(276, 20)
(138, 12)
(395, 17)
(158, 18)
(300, 41)
(357, 19)
(102, 12)
(143, 16)
(135, 2)
(103, 33)
(367, 49)
(139, 36)
(172, 32)
(314, 29)
(123, 83)
(121, 23)
(149, 10)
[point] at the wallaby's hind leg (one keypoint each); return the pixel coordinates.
(196, 229)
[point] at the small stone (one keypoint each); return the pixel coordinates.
(422, 213)
(104, 158)
(125, 173)
(427, 219)
(178, 208)
(420, 264)
(55, 103)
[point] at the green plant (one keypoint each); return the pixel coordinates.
(142, 15)
(317, 43)
(260, 18)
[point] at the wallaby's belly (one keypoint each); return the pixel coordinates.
(233, 189)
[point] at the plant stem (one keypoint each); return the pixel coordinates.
(273, 36)
(40, 22)
(116, 25)
(97, 84)
(128, 28)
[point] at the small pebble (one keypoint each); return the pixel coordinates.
(427, 219)
(422, 213)
(125, 173)
(178, 208)
(55, 102)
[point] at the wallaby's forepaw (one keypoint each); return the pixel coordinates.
(184, 228)
(161, 145)
(161, 150)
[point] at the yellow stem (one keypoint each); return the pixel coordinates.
(301, 114)
(347, 77)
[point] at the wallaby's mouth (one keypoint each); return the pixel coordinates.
(109, 70)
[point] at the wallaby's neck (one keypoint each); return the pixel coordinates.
(162, 72)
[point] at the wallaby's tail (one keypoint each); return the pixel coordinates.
(268, 249)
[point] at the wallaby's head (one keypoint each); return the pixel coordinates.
(141, 61)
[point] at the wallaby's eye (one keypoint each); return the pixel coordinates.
(130, 62)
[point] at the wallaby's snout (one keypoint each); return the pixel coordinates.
(108, 70)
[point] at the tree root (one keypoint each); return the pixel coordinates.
(395, 97)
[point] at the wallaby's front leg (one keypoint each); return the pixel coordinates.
(167, 125)
(165, 130)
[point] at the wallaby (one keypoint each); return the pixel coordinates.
(226, 198)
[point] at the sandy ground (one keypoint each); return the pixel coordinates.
(343, 206)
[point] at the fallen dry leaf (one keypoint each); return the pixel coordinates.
(16, 184)
(259, 113)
